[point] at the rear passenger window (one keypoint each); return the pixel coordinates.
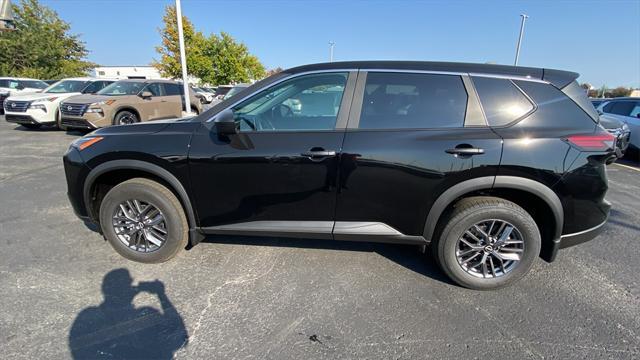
(413, 101)
(622, 107)
(501, 100)
(173, 89)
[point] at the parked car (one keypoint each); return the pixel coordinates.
(127, 102)
(222, 90)
(207, 97)
(37, 109)
(626, 110)
(234, 90)
(619, 129)
(13, 86)
(491, 165)
(597, 102)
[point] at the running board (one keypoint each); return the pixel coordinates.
(327, 230)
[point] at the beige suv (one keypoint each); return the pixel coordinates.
(126, 102)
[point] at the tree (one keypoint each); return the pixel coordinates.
(214, 59)
(41, 46)
(620, 91)
(169, 66)
(232, 62)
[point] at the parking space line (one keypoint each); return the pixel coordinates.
(628, 167)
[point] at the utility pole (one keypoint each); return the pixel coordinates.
(524, 19)
(331, 46)
(183, 61)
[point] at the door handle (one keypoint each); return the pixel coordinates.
(465, 151)
(318, 154)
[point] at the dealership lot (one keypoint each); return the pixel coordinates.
(283, 298)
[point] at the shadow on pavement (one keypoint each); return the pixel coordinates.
(116, 329)
(407, 256)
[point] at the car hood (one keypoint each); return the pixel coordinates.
(36, 96)
(89, 98)
(148, 127)
(609, 121)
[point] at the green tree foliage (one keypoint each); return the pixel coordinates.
(41, 46)
(217, 59)
(195, 43)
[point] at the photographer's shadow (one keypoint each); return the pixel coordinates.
(116, 329)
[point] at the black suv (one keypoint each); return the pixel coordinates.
(490, 165)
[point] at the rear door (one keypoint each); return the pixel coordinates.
(410, 137)
(175, 100)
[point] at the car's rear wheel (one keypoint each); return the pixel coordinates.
(125, 117)
(487, 243)
(144, 221)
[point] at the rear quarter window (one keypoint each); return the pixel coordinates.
(578, 94)
(502, 101)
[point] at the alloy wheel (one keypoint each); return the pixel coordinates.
(140, 225)
(128, 119)
(490, 249)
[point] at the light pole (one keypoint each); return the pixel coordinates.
(331, 46)
(524, 19)
(183, 61)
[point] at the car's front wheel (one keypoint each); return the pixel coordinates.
(487, 243)
(144, 221)
(125, 117)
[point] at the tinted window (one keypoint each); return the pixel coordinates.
(96, 86)
(635, 112)
(173, 89)
(34, 84)
(501, 100)
(412, 101)
(622, 107)
(156, 89)
(579, 95)
(309, 102)
(607, 107)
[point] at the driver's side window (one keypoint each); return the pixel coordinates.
(308, 102)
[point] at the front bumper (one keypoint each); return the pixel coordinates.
(31, 116)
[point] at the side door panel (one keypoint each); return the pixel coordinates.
(268, 175)
(394, 175)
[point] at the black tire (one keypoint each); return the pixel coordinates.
(160, 197)
(474, 210)
(32, 126)
(125, 117)
(59, 123)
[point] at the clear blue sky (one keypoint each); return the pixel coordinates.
(599, 39)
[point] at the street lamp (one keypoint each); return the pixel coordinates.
(331, 46)
(6, 16)
(524, 19)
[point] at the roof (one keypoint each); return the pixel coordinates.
(559, 78)
(151, 80)
(17, 78)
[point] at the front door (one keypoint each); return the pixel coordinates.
(278, 174)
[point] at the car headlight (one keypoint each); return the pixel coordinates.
(38, 107)
(50, 99)
(94, 110)
(84, 142)
(104, 102)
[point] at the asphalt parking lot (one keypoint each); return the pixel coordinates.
(65, 292)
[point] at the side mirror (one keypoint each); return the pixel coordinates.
(225, 123)
(146, 95)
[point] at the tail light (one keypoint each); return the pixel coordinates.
(593, 142)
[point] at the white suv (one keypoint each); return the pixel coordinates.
(37, 109)
(13, 86)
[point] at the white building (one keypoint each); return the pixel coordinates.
(126, 72)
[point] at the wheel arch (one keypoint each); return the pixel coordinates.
(500, 186)
(140, 169)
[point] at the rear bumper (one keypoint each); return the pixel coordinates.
(572, 239)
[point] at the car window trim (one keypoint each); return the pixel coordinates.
(522, 117)
(343, 113)
(356, 109)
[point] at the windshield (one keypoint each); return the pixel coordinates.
(122, 88)
(234, 91)
(34, 84)
(66, 86)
